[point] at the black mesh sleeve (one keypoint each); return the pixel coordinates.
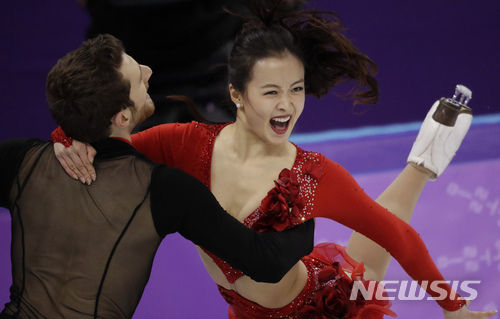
(12, 153)
(181, 203)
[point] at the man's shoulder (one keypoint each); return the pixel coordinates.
(13, 153)
(21, 143)
(18, 147)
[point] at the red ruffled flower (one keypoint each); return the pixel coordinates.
(334, 302)
(282, 205)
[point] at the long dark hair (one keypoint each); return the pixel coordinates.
(313, 36)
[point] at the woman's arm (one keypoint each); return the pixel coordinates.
(340, 198)
(157, 143)
(400, 199)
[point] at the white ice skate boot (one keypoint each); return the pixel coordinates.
(442, 132)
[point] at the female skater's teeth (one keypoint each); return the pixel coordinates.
(281, 119)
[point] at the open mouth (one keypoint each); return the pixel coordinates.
(280, 124)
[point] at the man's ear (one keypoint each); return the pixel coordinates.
(122, 119)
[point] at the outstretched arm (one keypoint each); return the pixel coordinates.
(400, 199)
(339, 198)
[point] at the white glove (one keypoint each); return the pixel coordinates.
(436, 144)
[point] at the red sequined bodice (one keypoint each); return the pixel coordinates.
(295, 211)
(314, 187)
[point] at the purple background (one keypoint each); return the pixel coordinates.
(423, 50)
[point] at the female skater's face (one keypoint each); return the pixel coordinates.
(274, 98)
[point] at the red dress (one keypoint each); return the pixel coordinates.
(314, 187)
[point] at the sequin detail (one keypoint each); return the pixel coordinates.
(326, 268)
(204, 169)
(58, 136)
(249, 309)
(307, 184)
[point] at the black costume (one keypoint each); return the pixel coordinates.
(83, 251)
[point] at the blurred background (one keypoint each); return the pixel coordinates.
(423, 49)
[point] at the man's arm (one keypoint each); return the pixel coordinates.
(12, 153)
(181, 203)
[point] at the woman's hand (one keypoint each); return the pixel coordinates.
(465, 313)
(77, 160)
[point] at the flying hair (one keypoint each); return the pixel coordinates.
(273, 28)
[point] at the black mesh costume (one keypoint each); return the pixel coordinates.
(86, 251)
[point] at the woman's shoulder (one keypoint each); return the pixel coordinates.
(304, 156)
(204, 128)
(307, 159)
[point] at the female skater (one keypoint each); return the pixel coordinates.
(270, 184)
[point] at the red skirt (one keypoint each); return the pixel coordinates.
(327, 293)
